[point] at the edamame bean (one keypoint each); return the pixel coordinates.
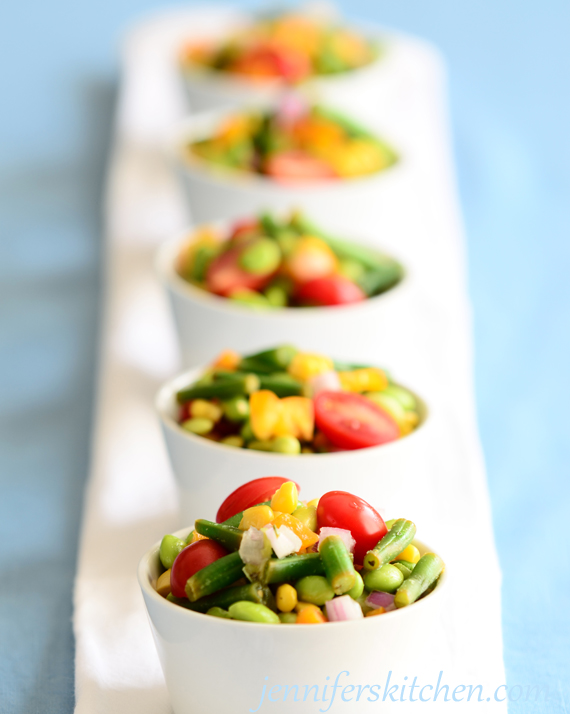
(169, 549)
(198, 425)
(358, 587)
(402, 568)
(390, 404)
(276, 296)
(406, 398)
(288, 618)
(286, 445)
(261, 257)
(387, 579)
(235, 441)
(253, 612)
(314, 589)
(250, 298)
(236, 409)
(246, 431)
(219, 612)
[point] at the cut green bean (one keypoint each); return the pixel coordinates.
(294, 567)
(223, 599)
(428, 569)
(315, 589)
(278, 358)
(170, 546)
(229, 536)
(358, 587)
(236, 409)
(406, 572)
(281, 383)
(253, 612)
(406, 563)
(219, 612)
(221, 388)
(214, 577)
(288, 618)
(381, 279)
(392, 544)
(337, 564)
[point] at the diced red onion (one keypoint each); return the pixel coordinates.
(324, 382)
(343, 608)
(341, 533)
(380, 599)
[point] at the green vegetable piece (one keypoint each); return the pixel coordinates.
(288, 618)
(389, 404)
(428, 569)
(387, 579)
(292, 568)
(261, 257)
(402, 568)
(235, 441)
(351, 269)
(257, 445)
(338, 565)
(253, 612)
(358, 587)
(224, 386)
(236, 520)
(198, 425)
(405, 397)
(282, 384)
(286, 445)
(314, 589)
(170, 546)
(392, 544)
(236, 409)
(276, 359)
(246, 432)
(229, 536)
(214, 577)
(277, 296)
(223, 599)
(406, 563)
(219, 612)
(202, 259)
(390, 523)
(251, 298)
(307, 515)
(382, 278)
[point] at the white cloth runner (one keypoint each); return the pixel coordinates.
(131, 497)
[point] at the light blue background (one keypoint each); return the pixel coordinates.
(510, 103)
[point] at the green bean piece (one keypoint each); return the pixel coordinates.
(253, 612)
(286, 445)
(315, 589)
(223, 599)
(198, 425)
(428, 569)
(246, 432)
(202, 259)
(214, 577)
(170, 546)
(260, 257)
(307, 515)
(219, 612)
(392, 544)
(381, 279)
(406, 572)
(358, 587)
(281, 383)
(404, 396)
(288, 618)
(269, 225)
(236, 409)
(229, 536)
(293, 567)
(338, 564)
(390, 523)
(386, 579)
(406, 563)
(276, 359)
(222, 387)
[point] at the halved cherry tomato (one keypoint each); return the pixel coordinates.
(250, 494)
(225, 274)
(330, 290)
(296, 165)
(339, 509)
(352, 421)
(192, 559)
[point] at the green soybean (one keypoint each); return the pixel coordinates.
(358, 587)
(253, 612)
(288, 618)
(406, 563)
(246, 432)
(219, 612)
(387, 579)
(170, 546)
(389, 404)
(402, 568)
(405, 397)
(276, 296)
(286, 445)
(198, 425)
(251, 298)
(314, 589)
(261, 257)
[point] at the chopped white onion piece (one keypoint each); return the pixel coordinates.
(341, 533)
(343, 608)
(283, 540)
(255, 547)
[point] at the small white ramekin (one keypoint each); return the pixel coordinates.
(206, 471)
(206, 324)
(216, 665)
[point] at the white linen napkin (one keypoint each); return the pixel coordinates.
(131, 497)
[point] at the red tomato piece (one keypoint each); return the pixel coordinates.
(243, 228)
(296, 165)
(225, 274)
(330, 290)
(277, 62)
(250, 494)
(192, 559)
(352, 421)
(339, 509)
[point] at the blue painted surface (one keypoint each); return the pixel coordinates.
(509, 68)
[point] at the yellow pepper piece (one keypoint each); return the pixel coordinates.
(286, 597)
(286, 498)
(264, 413)
(307, 536)
(197, 536)
(304, 365)
(310, 615)
(201, 408)
(377, 611)
(297, 418)
(228, 360)
(256, 516)
(370, 379)
(358, 157)
(163, 584)
(411, 553)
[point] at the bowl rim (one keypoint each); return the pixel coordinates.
(143, 576)
(165, 267)
(166, 392)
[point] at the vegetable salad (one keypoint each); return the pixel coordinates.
(288, 48)
(294, 143)
(272, 558)
(290, 402)
(269, 262)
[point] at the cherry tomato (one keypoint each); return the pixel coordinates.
(244, 228)
(330, 290)
(278, 62)
(250, 494)
(225, 274)
(352, 421)
(192, 559)
(339, 509)
(296, 165)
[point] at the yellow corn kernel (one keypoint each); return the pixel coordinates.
(300, 606)
(200, 408)
(370, 379)
(314, 502)
(256, 516)
(163, 584)
(264, 413)
(286, 597)
(304, 365)
(228, 360)
(307, 536)
(377, 611)
(296, 418)
(410, 553)
(286, 498)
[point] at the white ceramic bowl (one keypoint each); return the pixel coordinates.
(206, 471)
(351, 205)
(206, 324)
(216, 665)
